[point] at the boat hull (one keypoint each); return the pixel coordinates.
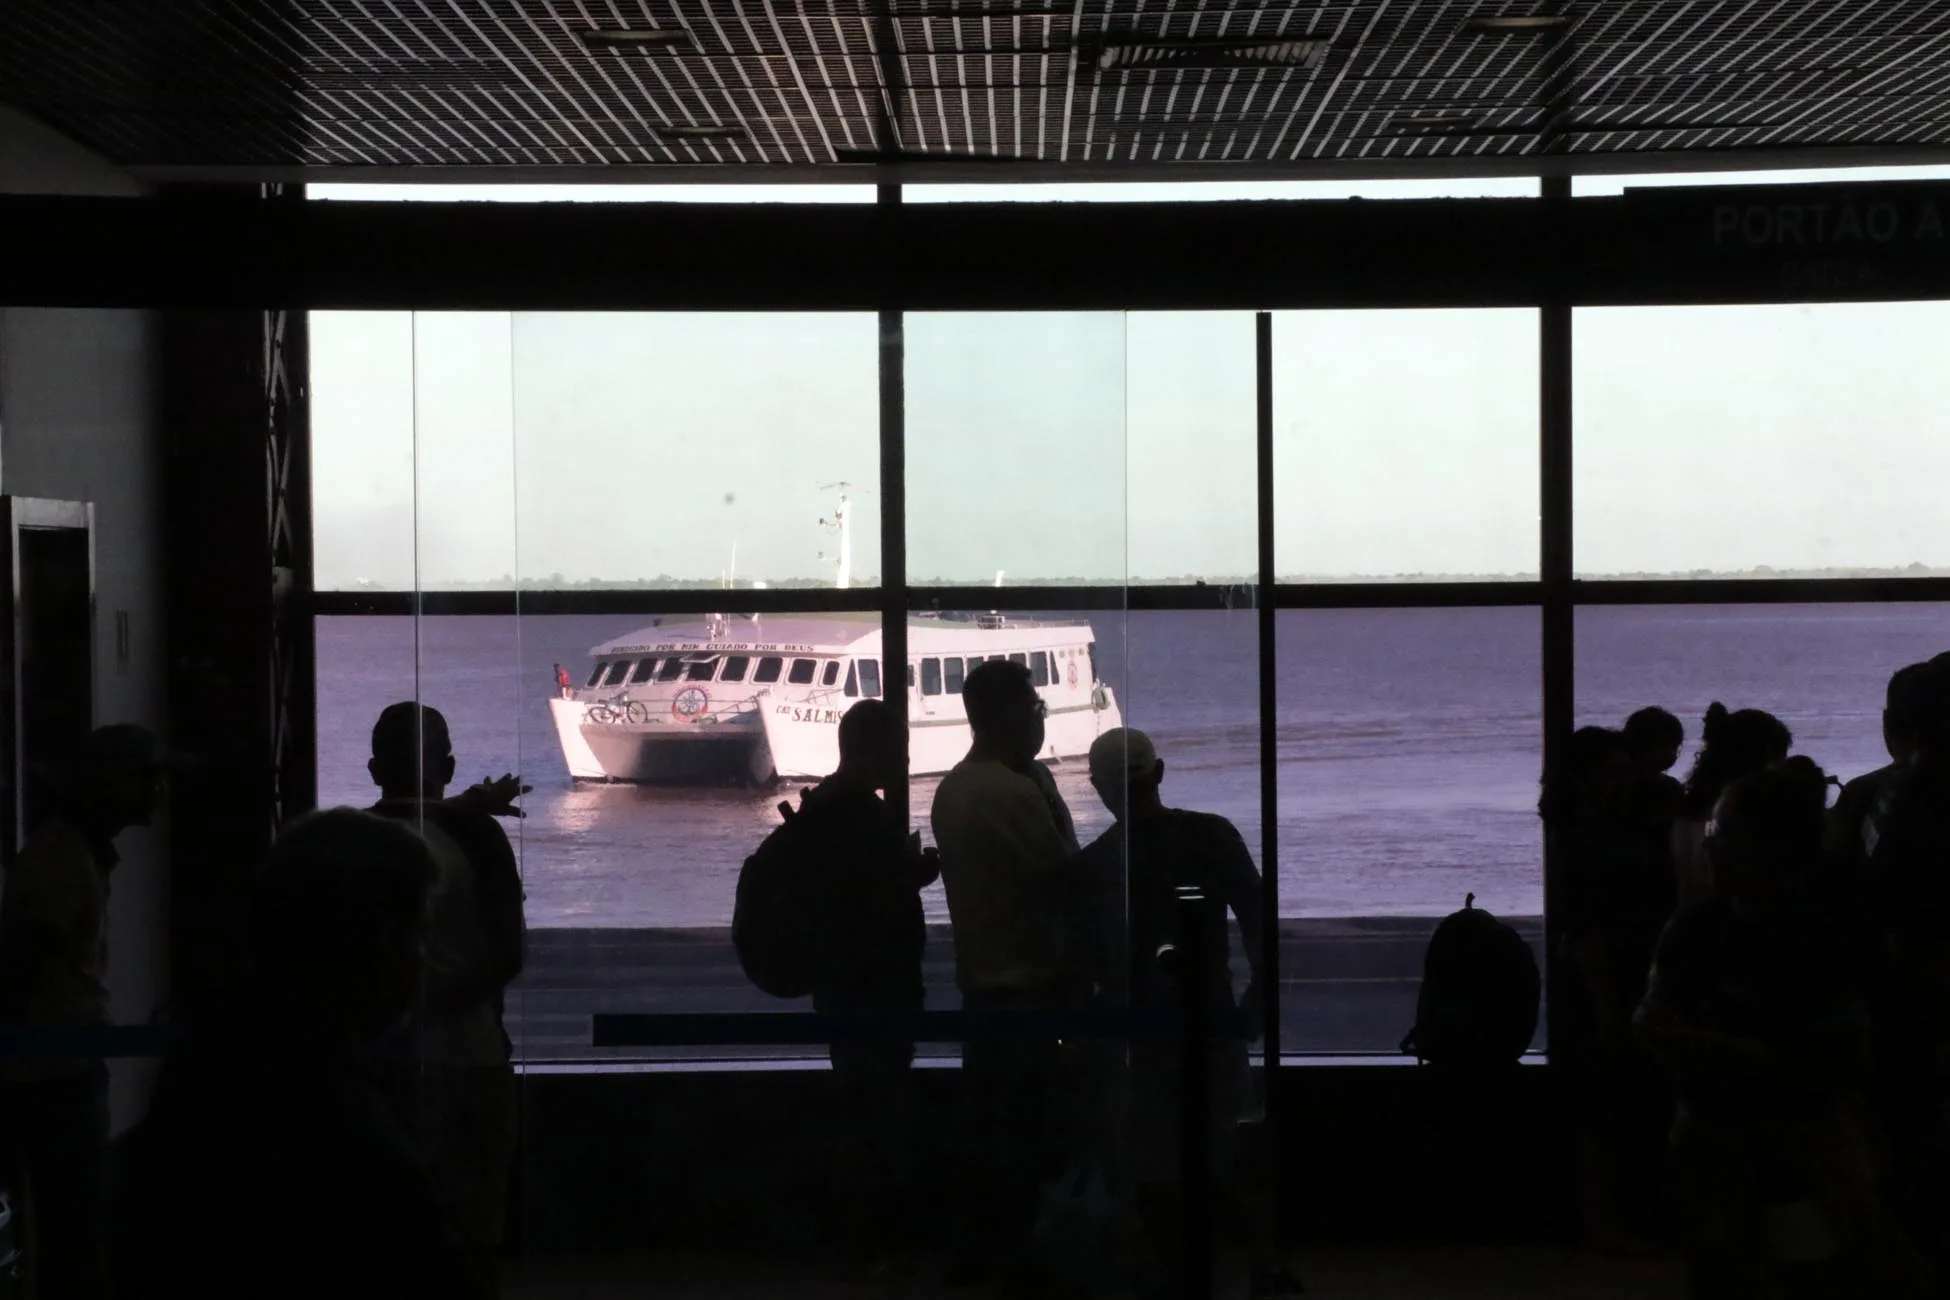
(790, 740)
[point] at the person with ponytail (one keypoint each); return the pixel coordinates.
(1733, 745)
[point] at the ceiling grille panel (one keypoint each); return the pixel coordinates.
(574, 83)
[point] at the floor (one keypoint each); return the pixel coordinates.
(1434, 1274)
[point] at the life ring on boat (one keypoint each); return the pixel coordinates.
(691, 704)
(1099, 697)
(1073, 673)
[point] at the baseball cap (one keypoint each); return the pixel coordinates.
(1122, 751)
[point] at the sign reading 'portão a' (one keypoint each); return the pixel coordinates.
(1800, 241)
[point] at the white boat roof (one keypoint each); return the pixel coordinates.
(845, 634)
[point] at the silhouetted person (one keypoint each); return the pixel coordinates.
(1014, 894)
(461, 1081)
(54, 976)
(1614, 897)
(1908, 877)
(1901, 705)
(272, 1164)
(1732, 745)
(1145, 859)
(1655, 738)
(1756, 1009)
(871, 873)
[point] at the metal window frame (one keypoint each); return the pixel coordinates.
(1564, 267)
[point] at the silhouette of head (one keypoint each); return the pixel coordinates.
(1933, 710)
(338, 913)
(1126, 772)
(1655, 737)
(873, 743)
(1732, 745)
(1902, 710)
(1766, 831)
(411, 752)
(1595, 776)
(118, 778)
(1004, 711)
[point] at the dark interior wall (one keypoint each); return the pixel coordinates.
(79, 422)
(713, 1159)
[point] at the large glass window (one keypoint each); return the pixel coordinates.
(1761, 441)
(1410, 748)
(1405, 445)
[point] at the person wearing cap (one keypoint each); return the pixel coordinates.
(54, 976)
(462, 1084)
(1144, 860)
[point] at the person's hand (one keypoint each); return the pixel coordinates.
(494, 795)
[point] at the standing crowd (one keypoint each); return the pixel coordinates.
(1755, 997)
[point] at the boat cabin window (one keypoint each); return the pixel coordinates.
(1021, 660)
(1039, 667)
(870, 678)
(802, 672)
(596, 673)
(1093, 661)
(702, 670)
(617, 671)
(930, 677)
(735, 668)
(852, 687)
(768, 669)
(673, 669)
(645, 670)
(951, 675)
(831, 674)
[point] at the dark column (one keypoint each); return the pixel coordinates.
(237, 524)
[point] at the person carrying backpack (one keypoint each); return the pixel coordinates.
(843, 880)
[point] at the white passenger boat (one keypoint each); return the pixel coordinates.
(758, 698)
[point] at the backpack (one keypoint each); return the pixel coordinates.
(1481, 990)
(774, 922)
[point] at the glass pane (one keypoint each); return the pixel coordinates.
(653, 193)
(705, 450)
(1767, 441)
(1405, 445)
(1191, 417)
(1015, 448)
(1597, 186)
(362, 450)
(1822, 669)
(1410, 746)
(1435, 187)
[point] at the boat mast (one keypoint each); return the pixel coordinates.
(842, 522)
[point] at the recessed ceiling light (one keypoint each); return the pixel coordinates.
(619, 38)
(702, 131)
(1518, 22)
(1210, 54)
(1432, 123)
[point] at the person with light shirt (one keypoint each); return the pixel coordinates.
(1009, 866)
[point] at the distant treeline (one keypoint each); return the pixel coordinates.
(664, 582)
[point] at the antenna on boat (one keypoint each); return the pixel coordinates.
(841, 523)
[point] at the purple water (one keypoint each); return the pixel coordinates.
(1408, 740)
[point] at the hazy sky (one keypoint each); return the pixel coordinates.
(1105, 445)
